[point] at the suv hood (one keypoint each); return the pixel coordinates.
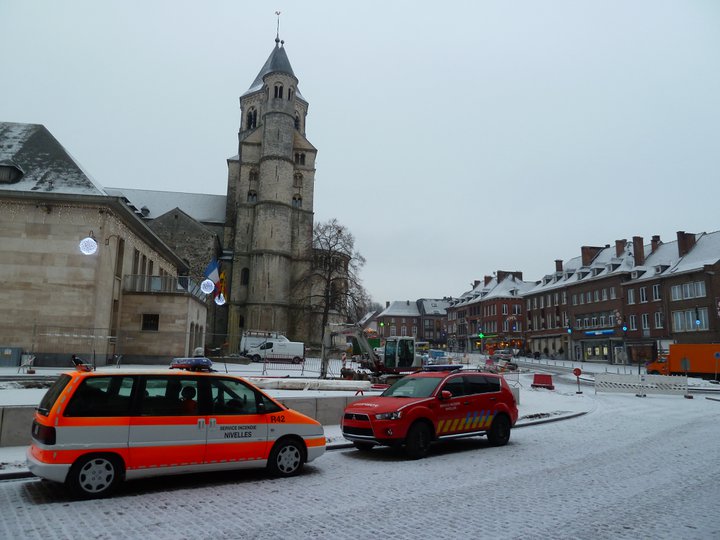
(375, 405)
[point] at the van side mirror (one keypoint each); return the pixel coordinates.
(445, 395)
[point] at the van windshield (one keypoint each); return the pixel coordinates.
(52, 394)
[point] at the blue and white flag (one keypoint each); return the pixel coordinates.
(212, 272)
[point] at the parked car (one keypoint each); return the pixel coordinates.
(93, 430)
(433, 405)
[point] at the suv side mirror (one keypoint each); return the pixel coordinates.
(445, 395)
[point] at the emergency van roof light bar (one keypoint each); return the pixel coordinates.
(192, 364)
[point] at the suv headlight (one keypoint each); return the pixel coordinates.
(388, 416)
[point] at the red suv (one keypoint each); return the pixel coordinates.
(433, 405)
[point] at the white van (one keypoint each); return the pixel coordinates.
(254, 338)
(278, 351)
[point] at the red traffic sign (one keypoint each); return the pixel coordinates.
(577, 372)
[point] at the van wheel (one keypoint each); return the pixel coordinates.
(256, 358)
(287, 458)
(499, 433)
(418, 440)
(94, 476)
(296, 360)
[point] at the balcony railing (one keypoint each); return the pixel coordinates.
(163, 285)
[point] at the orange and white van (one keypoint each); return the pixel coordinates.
(94, 429)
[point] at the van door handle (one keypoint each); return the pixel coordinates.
(213, 422)
(201, 423)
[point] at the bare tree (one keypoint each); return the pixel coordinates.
(335, 269)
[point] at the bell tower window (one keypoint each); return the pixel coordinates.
(279, 91)
(298, 180)
(297, 201)
(297, 122)
(300, 158)
(252, 197)
(251, 119)
(253, 176)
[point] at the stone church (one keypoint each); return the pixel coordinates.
(261, 232)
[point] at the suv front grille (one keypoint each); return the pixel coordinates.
(364, 432)
(357, 417)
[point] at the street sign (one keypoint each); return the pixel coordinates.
(577, 372)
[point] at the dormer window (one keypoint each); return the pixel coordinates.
(279, 91)
(9, 174)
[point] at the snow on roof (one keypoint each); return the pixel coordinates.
(43, 164)
(706, 251)
(434, 307)
(401, 308)
(153, 204)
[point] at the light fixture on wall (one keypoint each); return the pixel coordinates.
(88, 245)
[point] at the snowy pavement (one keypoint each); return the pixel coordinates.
(631, 468)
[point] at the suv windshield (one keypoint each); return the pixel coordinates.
(413, 387)
(52, 394)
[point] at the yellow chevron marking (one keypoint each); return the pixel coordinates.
(440, 426)
(455, 424)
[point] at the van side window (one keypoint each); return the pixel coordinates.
(232, 397)
(102, 396)
(169, 396)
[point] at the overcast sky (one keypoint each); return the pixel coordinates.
(454, 139)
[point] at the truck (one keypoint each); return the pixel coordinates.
(276, 350)
(254, 338)
(692, 359)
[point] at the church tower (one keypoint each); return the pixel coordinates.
(269, 216)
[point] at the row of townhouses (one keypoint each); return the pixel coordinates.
(621, 303)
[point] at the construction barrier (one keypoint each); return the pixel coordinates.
(641, 384)
(542, 380)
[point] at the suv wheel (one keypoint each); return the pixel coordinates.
(94, 476)
(499, 433)
(363, 446)
(418, 440)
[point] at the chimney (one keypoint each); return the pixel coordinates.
(638, 250)
(655, 243)
(558, 265)
(387, 305)
(476, 283)
(488, 279)
(517, 275)
(620, 247)
(588, 253)
(686, 241)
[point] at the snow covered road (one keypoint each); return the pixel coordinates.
(631, 468)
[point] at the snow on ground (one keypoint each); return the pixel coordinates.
(632, 468)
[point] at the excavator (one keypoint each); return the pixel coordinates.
(397, 359)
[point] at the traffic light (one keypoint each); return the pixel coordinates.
(624, 327)
(569, 329)
(481, 335)
(382, 324)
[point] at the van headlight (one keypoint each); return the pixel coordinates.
(388, 416)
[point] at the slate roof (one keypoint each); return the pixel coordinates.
(46, 166)
(201, 207)
(402, 308)
(277, 62)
